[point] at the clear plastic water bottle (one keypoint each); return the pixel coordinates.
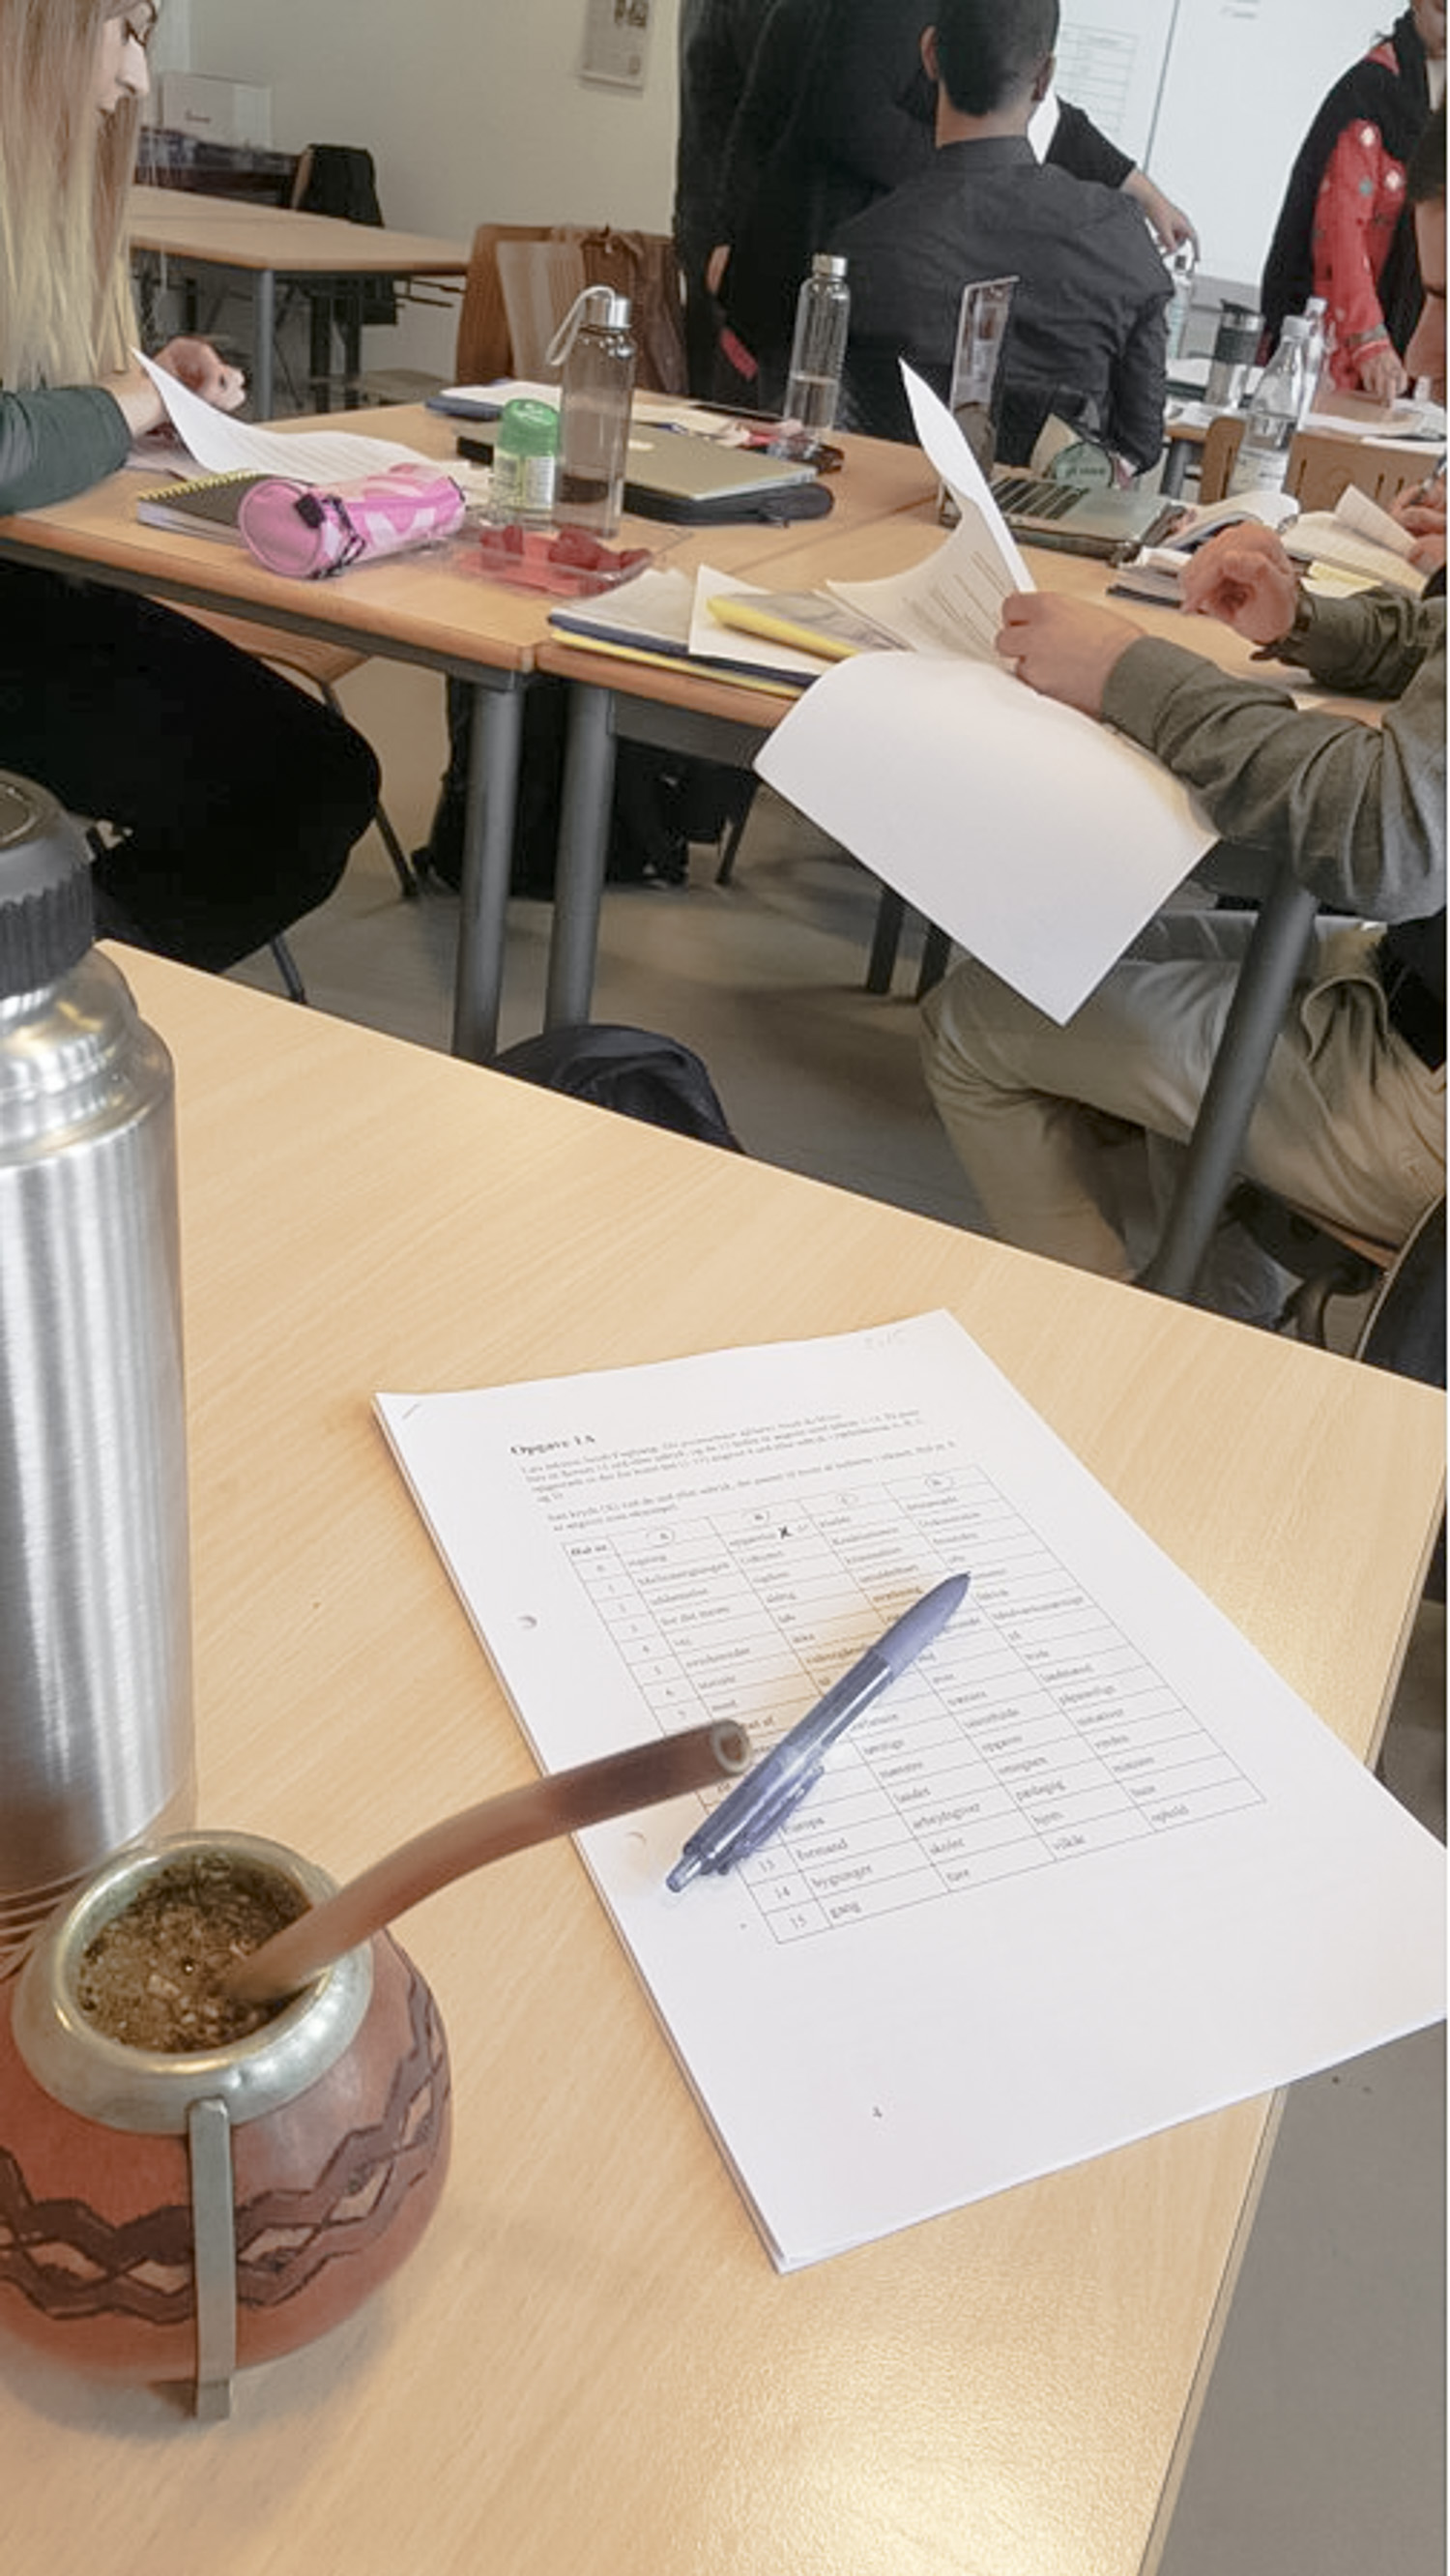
(595, 346)
(1316, 314)
(1274, 413)
(95, 1611)
(818, 351)
(1181, 267)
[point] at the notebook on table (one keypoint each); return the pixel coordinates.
(206, 506)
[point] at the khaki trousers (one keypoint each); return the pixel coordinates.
(1349, 1125)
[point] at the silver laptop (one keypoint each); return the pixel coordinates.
(664, 465)
(1110, 524)
(1084, 519)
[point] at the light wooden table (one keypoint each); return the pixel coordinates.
(590, 2363)
(433, 608)
(263, 243)
(687, 711)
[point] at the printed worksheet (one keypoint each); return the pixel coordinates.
(1087, 1869)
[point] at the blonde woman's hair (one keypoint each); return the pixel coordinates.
(66, 313)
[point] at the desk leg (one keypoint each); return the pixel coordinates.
(1266, 979)
(352, 304)
(583, 845)
(1175, 468)
(488, 843)
(264, 317)
(319, 332)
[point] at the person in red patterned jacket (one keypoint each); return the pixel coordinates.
(1344, 231)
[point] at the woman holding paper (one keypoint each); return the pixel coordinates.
(234, 797)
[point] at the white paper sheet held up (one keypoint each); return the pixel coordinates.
(1040, 841)
(1088, 1870)
(224, 445)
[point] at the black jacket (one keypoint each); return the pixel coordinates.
(1398, 102)
(1087, 333)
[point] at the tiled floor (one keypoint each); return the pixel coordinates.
(1320, 2448)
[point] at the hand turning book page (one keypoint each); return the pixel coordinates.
(1087, 1869)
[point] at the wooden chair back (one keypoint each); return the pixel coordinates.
(539, 281)
(483, 349)
(1321, 464)
(1216, 458)
(641, 265)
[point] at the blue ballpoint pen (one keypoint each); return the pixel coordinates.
(766, 1796)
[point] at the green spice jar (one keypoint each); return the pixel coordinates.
(526, 462)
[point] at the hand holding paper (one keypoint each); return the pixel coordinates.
(1064, 648)
(198, 366)
(223, 446)
(1039, 840)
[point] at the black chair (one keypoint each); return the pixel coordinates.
(339, 179)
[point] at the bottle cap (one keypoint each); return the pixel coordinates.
(46, 913)
(528, 428)
(827, 263)
(596, 308)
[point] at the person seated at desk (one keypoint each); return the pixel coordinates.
(237, 797)
(1087, 339)
(837, 111)
(1350, 1120)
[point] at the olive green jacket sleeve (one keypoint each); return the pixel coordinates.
(1357, 810)
(54, 442)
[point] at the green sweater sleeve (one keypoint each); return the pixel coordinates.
(57, 441)
(1357, 810)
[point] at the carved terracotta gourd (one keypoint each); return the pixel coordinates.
(336, 2128)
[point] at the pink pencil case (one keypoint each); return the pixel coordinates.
(296, 528)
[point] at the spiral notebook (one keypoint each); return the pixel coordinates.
(207, 506)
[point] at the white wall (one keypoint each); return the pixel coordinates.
(473, 110)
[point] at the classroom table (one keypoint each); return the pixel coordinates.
(590, 2363)
(687, 711)
(432, 608)
(265, 243)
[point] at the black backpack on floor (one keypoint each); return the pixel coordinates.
(662, 802)
(629, 1070)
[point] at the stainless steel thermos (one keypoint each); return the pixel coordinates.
(95, 1618)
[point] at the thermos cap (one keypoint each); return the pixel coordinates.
(46, 914)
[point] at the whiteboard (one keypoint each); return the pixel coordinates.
(1244, 80)
(1110, 61)
(1214, 98)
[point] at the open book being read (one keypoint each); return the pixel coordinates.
(1038, 839)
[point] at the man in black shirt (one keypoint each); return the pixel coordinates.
(1087, 341)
